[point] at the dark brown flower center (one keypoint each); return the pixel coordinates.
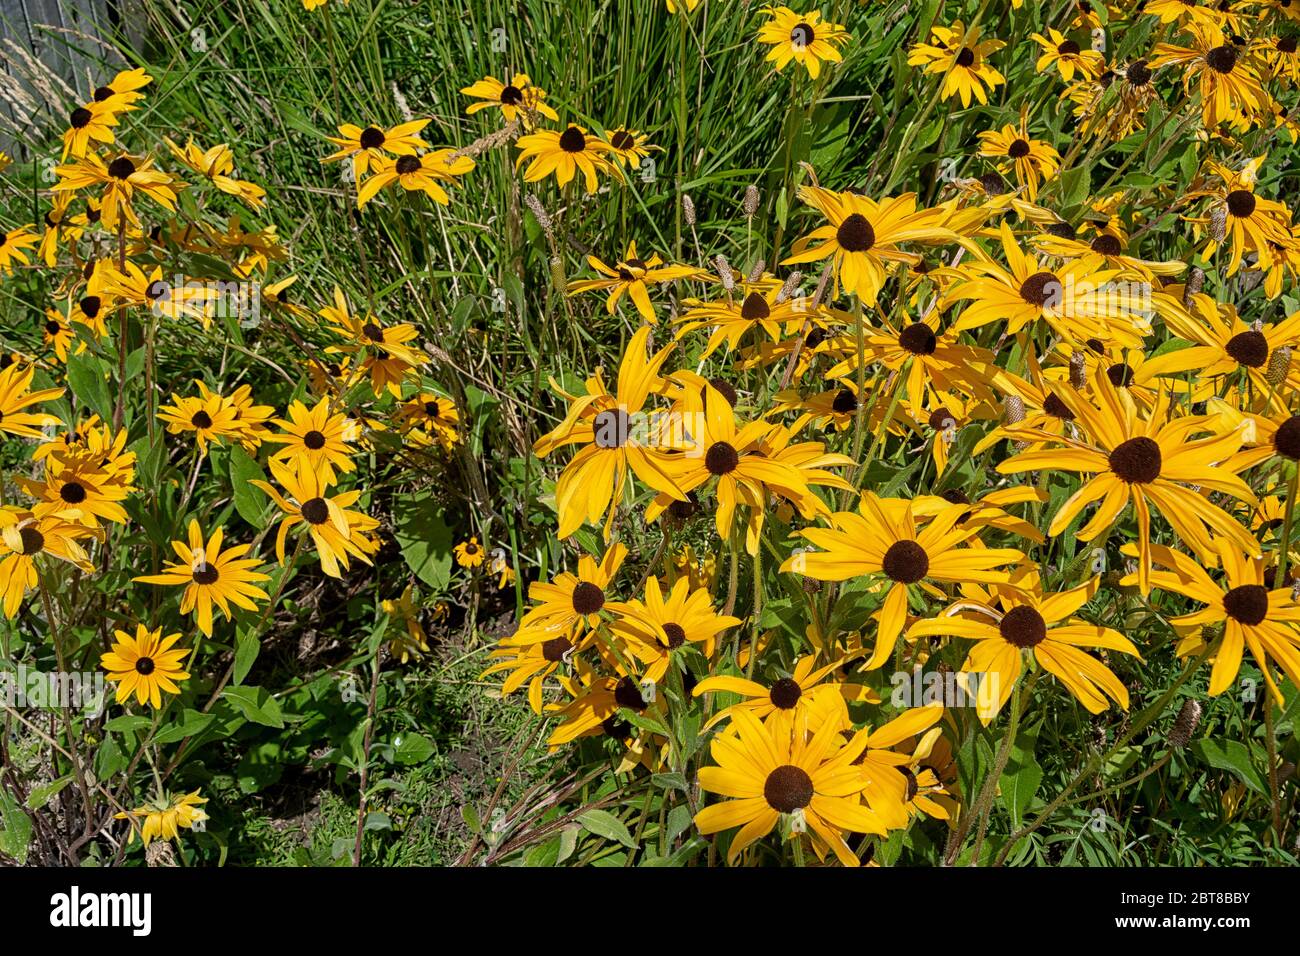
(572, 140)
(802, 36)
(905, 562)
(1250, 348)
(1221, 59)
(371, 138)
(725, 389)
(102, 93)
(1241, 203)
(144, 665)
(201, 419)
(206, 574)
(721, 459)
(406, 165)
(785, 693)
(80, 117)
(754, 308)
(555, 649)
(315, 510)
(676, 635)
(1247, 603)
(610, 428)
(941, 418)
(966, 57)
(1137, 461)
(1287, 438)
(993, 184)
(1121, 374)
(855, 233)
(1042, 289)
(511, 95)
(1068, 48)
(314, 440)
(1286, 44)
(121, 168)
(622, 139)
(1018, 149)
(73, 492)
(955, 496)
(682, 510)
(628, 694)
(788, 789)
(588, 598)
(33, 541)
(1053, 406)
(919, 339)
(1107, 245)
(373, 331)
(90, 306)
(1023, 627)
(845, 402)
(1138, 73)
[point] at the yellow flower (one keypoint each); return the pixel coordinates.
(145, 665)
(469, 554)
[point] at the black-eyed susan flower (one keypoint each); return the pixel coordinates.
(863, 236)
(1067, 57)
(425, 173)
(1009, 620)
(209, 415)
(1253, 615)
(411, 639)
(1032, 160)
(164, 818)
(211, 576)
(1222, 72)
(564, 154)
(315, 438)
(960, 57)
(119, 179)
(886, 538)
(805, 38)
(769, 773)
(617, 437)
(570, 603)
(632, 276)
(24, 538)
(428, 418)
(16, 396)
(1152, 461)
(663, 622)
(14, 244)
(804, 697)
(88, 126)
(217, 165)
(518, 99)
(338, 533)
(365, 146)
(146, 665)
(628, 146)
(469, 554)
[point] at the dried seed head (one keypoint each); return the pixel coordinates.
(402, 106)
(751, 201)
(790, 286)
(540, 214)
(723, 269)
(558, 278)
(1078, 369)
(756, 271)
(688, 209)
(1195, 279)
(1014, 406)
(1219, 223)
(1180, 735)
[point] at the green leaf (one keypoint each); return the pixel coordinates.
(412, 749)
(86, 377)
(250, 501)
(43, 794)
(192, 723)
(127, 723)
(256, 705)
(1022, 776)
(605, 824)
(425, 539)
(247, 647)
(1232, 756)
(15, 828)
